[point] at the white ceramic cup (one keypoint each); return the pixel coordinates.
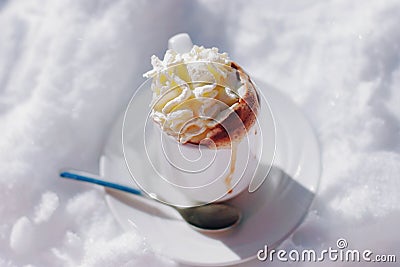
(205, 174)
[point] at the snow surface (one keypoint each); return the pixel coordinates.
(68, 67)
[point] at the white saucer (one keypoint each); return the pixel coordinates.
(270, 214)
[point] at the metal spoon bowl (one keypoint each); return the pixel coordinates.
(209, 217)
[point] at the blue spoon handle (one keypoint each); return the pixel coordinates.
(86, 177)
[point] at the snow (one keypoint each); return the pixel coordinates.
(22, 236)
(48, 204)
(68, 67)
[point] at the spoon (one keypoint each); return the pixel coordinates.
(209, 217)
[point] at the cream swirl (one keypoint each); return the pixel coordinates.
(193, 92)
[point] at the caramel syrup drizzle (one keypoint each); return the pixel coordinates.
(232, 165)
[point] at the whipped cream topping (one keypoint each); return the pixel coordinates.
(193, 92)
